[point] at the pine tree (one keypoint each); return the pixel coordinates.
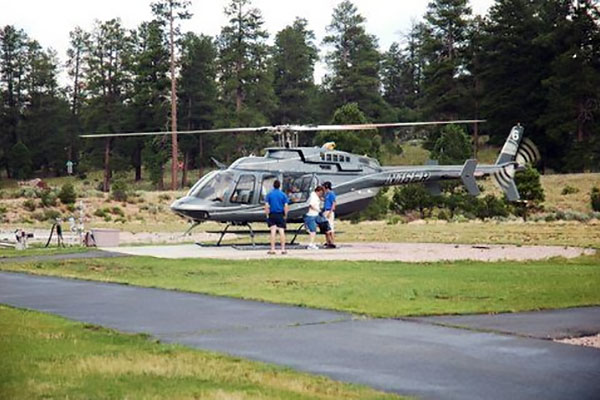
(169, 12)
(150, 67)
(294, 57)
(352, 141)
(108, 83)
(197, 97)
(354, 63)
(572, 115)
(513, 65)
(444, 42)
(246, 76)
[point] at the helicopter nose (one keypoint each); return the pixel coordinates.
(187, 208)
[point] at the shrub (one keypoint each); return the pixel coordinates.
(595, 198)
(413, 197)
(67, 194)
(376, 210)
(117, 211)
(119, 190)
(48, 198)
(29, 205)
(51, 214)
(490, 206)
(100, 212)
(164, 197)
(569, 190)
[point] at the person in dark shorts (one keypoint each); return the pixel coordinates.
(276, 208)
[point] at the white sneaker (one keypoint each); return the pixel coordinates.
(312, 247)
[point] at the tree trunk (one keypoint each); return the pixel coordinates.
(137, 162)
(106, 185)
(200, 157)
(174, 152)
(185, 168)
(161, 180)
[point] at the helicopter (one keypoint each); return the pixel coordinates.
(235, 194)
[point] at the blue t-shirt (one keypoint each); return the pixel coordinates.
(276, 200)
(329, 200)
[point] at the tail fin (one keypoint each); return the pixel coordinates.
(518, 149)
(511, 146)
(517, 152)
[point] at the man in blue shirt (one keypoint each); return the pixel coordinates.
(276, 208)
(329, 211)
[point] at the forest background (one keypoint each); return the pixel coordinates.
(532, 62)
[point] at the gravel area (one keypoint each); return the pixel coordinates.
(588, 341)
(408, 252)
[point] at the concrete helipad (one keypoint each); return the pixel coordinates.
(408, 252)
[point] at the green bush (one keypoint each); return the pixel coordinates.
(119, 190)
(491, 206)
(48, 198)
(569, 190)
(376, 210)
(29, 205)
(595, 198)
(51, 215)
(67, 194)
(413, 197)
(117, 211)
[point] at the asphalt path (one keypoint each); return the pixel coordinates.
(411, 357)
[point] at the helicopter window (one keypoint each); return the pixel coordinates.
(267, 185)
(297, 187)
(347, 159)
(214, 188)
(325, 166)
(335, 157)
(328, 157)
(244, 191)
(322, 156)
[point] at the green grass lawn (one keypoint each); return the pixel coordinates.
(381, 289)
(41, 251)
(44, 356)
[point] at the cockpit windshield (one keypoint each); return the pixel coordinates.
(213, 187)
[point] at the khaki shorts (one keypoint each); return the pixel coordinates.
(331, 219)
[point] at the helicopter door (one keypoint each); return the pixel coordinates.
(298, 187)
(266, 186)
(244, 190)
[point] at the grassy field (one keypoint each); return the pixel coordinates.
(382, 289)
(40, 251)
(45, 357)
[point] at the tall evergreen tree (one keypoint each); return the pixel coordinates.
(354, 62)
(444, 43)
(294, 57)
(170, 12)
(108, 82)
(513, 66)
(150, 67)
(13, 64)
(245, 75)
(197, 97)
(571, 119)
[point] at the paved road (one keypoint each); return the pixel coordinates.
(409, 357)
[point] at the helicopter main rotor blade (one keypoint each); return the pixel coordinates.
(199, 131)
(289, 128)
(365, 127)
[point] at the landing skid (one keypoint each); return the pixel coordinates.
(250, 231)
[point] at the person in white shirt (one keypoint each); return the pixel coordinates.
(310, 218)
